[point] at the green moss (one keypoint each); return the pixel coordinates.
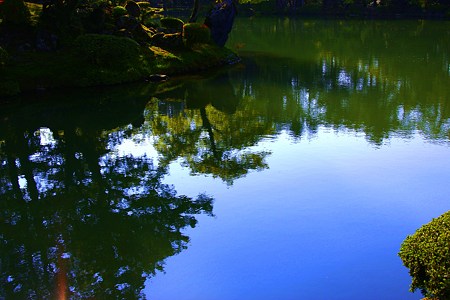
(196, 33)
(427, 255)
(200, 57)
(172, 23)
(107, 50)
(119, 11)
(69, 68)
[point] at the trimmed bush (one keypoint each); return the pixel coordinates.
(107, 50)
(196, 33)
(172, 23)
(427, 255)
(119, 11)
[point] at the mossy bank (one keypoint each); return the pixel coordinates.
(77, 67)
(126, 48)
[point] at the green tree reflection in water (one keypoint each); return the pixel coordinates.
(381, 78)
(78, 219)
(78, 212)
(210, 131)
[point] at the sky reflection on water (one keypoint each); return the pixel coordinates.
(325, 221)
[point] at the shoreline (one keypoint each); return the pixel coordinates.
(41, 71)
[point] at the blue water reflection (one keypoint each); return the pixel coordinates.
(358, 158)
(324, 222)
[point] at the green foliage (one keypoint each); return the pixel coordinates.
(196, 33)
(4, 57)
(15, 12)
(427, 255)
(172, 23)
(107, 50)
(119, 11)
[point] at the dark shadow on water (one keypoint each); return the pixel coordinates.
(77, 219)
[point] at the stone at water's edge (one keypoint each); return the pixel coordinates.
(157, 77)
(220, 21)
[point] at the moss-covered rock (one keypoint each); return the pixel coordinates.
(107, 50)
(174, 24)
(119, 11)
(196, 33)
(427, 255)
(168, 40)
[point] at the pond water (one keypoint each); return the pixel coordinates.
(296, 174)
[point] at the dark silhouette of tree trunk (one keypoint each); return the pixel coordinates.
(207, 125)
(220, 20)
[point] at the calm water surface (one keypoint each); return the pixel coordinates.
(294, 175)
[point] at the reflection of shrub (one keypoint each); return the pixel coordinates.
(103, 76)
(15, 12)
(107, 50)
(172, 23)
(427, 255)
(194, 33)
(119, 11)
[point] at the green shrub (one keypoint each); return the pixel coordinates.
(196, 33)
(427, 255)
(119, 11)
(172, 23)
(107, 50)
(15, 12)
(4, 57)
